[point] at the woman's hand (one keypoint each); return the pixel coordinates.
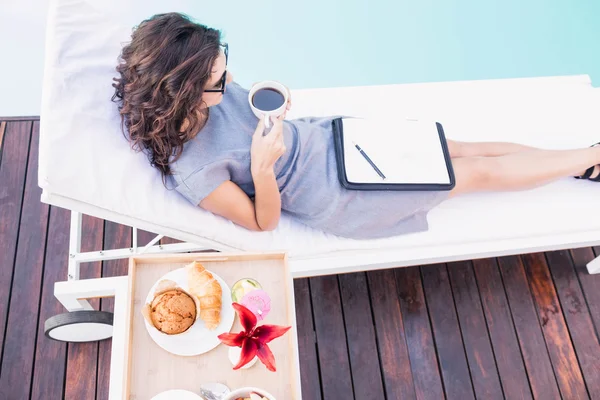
(289, 101)
(266, 150)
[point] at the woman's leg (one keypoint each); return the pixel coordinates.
(484, 149)
(521, 170)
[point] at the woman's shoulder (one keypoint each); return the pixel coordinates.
(237, 87)
(198, 156)
(196, 181)
(235, 96)
(196, 178)
(190, 163)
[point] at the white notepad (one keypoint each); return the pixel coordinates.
(406, 152)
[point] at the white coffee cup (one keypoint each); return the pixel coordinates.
(273, 113)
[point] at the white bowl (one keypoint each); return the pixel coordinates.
(245, 392)
(197, 339)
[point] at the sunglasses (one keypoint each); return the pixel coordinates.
(224, 77)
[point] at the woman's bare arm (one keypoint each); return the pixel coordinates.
(267, 200)
(229, 201)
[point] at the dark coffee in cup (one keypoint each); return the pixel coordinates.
(268, 99)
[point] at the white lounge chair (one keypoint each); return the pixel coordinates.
(86, 164)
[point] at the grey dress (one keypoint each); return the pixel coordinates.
(306, 174)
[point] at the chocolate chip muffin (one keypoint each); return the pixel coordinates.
(173, 312)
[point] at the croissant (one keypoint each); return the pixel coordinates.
(207, 289)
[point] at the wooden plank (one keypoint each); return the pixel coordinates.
(590, 283)
(50, 356)
(389, 328)
(12, 180)
(307, 343)
(168, 240)
(419, 338)
(84, 356)
(115, 236)
(360, 334)
(480, 356)
(21, 330)
(92, 239)
(566, 368)
(531, 339)
(144, 237)
(331, 338)
(446, 333)
(578, 318)
(502, 331)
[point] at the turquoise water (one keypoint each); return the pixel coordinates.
(327, 43)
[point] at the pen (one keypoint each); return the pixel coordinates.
(361, 151)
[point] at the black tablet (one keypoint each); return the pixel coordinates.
(407, 155)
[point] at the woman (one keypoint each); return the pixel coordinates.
(180, 105)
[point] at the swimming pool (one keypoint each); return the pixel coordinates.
(325, 43)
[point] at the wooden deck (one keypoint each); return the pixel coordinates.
(515, 327)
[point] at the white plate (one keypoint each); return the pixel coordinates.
(177, 394)
(197, 339)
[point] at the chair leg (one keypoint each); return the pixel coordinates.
(74, 245)
(593, 266)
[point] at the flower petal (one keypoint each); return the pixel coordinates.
(266, 333)
(247, 317)
(232, 339)
(247, 354)
(266, 356)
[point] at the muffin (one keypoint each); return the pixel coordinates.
(173, 312)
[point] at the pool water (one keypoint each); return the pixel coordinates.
(327, 43)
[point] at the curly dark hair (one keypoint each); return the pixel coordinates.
(162, 74)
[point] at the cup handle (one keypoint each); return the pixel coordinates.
(267, 121)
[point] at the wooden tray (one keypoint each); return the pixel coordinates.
(151, 370)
